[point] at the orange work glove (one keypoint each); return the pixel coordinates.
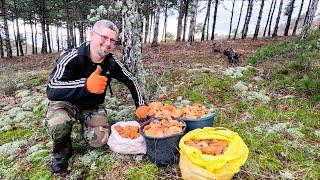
(96, 83)
(142, 111)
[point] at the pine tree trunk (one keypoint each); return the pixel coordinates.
(186, 7)
(230, 29)
(180, 17)
(269, 14)
(57, 37)
(70, 39)
(25, 37)
(236, 32)
(298, 18)
(247, 21)
(18, 31)
(164, 34)
(51, 39)
(270, 22)
(146, 29)
(208, 24)
(309, 19)
(151, 25)
(61, 40)
(74, 35)
(48, 35)
(36, 37)
(286, 30)
(192, 21)
(1, 47)
(32, 37)
(6, 28)
(85, 32)
(214, 18)
(156, 27)
(206, 20)
(43, 27)
(132, 52)
(80, 29)
(304, 22)
(256, 32)
(276, 26)
(15, 37)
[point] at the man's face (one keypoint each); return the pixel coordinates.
(103, 41)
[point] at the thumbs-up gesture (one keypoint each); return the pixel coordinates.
(96, 83)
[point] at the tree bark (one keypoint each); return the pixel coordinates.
(57, 37)
(146, 28)
(185, 19)
(36, 37)
(1, 47)
(206, 20)
(304, 22)
(15, 37)
(18, 30)
(151, 25)
(269, 14)
(32, 38)
(236, 32)
(309, 19)
(276, 26)
(180, 17)
(208, 23)
(192, 21)
(230, 29)
(80, 27)
(156, 27)
(291, 6)
(43, 27)
(70, 39)
(74, 35)
(247, 21)
(256, 32)
(270, 22)
(132, 52)
(48, 35)
(164, 35)
(25, 37)
(214, 18)
(298, 18)
(4, 11)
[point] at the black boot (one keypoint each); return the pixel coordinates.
(62, 153)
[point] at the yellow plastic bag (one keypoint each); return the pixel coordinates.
(195, 165)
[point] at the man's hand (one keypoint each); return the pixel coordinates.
(96, 83)
(142, 111)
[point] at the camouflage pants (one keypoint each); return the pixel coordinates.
(62, 115)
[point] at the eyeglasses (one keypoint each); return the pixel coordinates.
(105, 38)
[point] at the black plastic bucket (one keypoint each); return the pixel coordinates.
(207, 121)
(163, 151)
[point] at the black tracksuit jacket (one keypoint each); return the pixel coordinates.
(68, 78)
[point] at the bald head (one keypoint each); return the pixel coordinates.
(102, 24)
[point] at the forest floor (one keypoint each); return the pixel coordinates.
(274, 105)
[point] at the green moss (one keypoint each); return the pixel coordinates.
(270, 51)
(248, 74)
(38, 80)
(241, 106)
(16, 134)
(195, 96)
(146, 171)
